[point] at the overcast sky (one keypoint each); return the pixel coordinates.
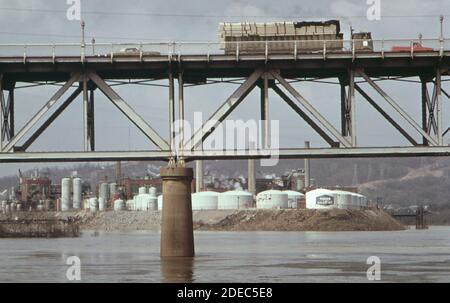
(40, 21)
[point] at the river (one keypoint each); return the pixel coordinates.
(406, 256)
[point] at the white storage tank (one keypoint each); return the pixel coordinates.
(77, 193)
(101, 204)
(206, 200)
(66, 204)
(130, 205)
(272, 199)
(93, 205)
(294, 198)
(160, 202)
(321, 199)
(142, 190)
(344, 199)
(112, 189)
(119, 205)
(103, 191)
(235, 199)
(152, 191)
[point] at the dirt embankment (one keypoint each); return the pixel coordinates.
(239, 220)
(303, 220)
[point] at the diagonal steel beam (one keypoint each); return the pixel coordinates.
(50, 120)
(302, 114)
(53, 100)
(128, 112)
(385, 115)
(397, 108)
(311, 110)
(224, 110)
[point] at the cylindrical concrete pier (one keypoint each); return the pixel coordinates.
(177, 235)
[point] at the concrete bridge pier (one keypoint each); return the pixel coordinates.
(177, 234)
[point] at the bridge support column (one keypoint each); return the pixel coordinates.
(177, 235)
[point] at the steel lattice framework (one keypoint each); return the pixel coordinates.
(276, 72)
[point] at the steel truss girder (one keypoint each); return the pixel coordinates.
(304, 116)
(397, 107)
(385, 115)
(50, 104)
(311, 110)
(50, 120)
(128, 111)
(224, 110)
(287, 153)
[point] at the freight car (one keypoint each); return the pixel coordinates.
(287, 37)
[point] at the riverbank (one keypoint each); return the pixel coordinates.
(237, 220)
(251, 220)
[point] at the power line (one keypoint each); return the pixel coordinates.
(172, 15)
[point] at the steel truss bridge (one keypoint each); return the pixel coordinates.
(87, 68)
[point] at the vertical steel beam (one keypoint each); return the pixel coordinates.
(343, 109)
(439, 131)
(86, 141)
(265, 111)
(11, 115)
(1, 112)
(352, 106)
(307, 167)
(92, 120)
(424, 110)
(181, 109)
(171, 114)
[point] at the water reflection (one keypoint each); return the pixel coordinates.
(177, 270)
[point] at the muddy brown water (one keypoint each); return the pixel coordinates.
(406, 256)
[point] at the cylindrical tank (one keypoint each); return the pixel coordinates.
(112, 189)
(130, 205)
(93, 205)
(344, 199)
(119, 205)
(272, 199)
(206, 200)
(101, 204)
(152, 191)
(142, 190)
(321, 199)
(293, 198)
(104, 191)
(235, 199)
(160, 202)
(77, 193)
(65, 194)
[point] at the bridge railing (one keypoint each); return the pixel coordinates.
(234, 48)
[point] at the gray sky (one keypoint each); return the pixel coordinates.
(40, 21)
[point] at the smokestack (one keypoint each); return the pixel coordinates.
(251, 184)
(307, 172)
(198, 175)
(118, 171)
